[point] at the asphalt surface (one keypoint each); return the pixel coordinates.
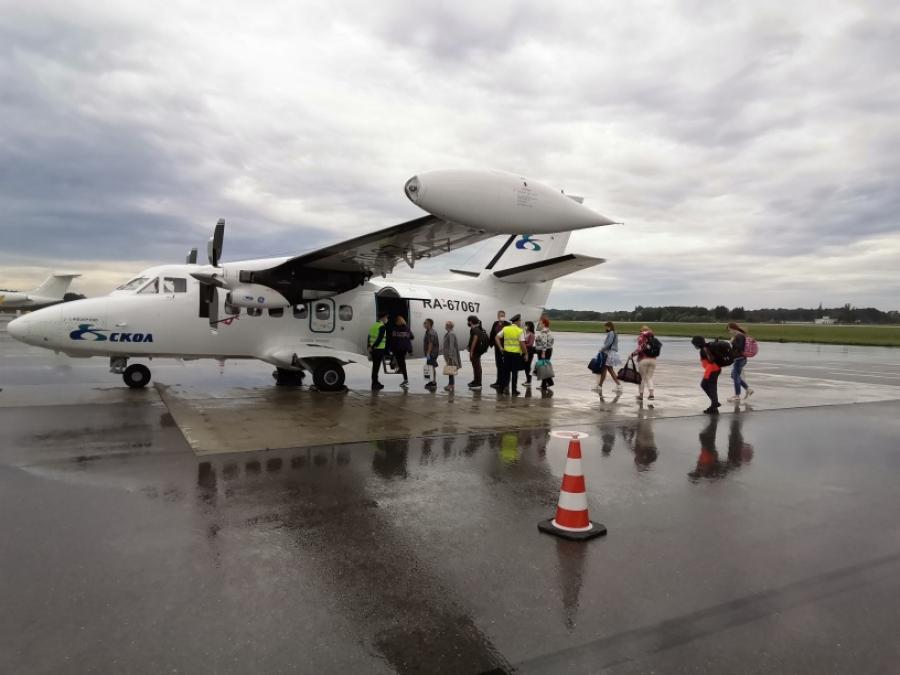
(764, 541)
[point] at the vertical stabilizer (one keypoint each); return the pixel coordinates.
(54, 286)
(524, 249)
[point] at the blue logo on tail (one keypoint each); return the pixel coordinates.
(527, 241)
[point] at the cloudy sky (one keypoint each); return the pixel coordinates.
(752, 149)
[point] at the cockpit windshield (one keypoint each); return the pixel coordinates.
(134, 284)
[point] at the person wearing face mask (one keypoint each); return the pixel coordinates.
(543, 347)
(610, 350)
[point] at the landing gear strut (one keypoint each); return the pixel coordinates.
(288, 378)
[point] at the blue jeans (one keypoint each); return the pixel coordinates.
(736, 369)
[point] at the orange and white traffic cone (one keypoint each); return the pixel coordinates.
(572, 520)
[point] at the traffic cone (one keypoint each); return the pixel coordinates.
(572, 520)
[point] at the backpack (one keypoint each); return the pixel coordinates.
(751, 347)
(484, 342)
(653, 347)
(721, 352)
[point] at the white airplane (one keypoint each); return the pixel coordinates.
(48, 293)
(312, 312)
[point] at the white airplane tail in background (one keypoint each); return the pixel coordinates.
(54, 286)
(528, 264)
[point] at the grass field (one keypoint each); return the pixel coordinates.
(881, 336)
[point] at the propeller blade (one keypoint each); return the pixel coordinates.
(214, 246)
(209, 279)
(191, 257)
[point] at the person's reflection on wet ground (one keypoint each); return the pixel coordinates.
(708, 463)
(607, 439)
(389, 458)
(644, 447)
(739, 452)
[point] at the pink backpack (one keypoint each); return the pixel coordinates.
(751, 347)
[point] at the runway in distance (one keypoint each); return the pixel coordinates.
(50, 292)
(312, 312)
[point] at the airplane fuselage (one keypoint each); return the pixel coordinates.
(166, 323)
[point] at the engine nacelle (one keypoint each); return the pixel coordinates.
(499, 202)
(255, 295)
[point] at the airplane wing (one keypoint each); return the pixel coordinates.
(343, 266)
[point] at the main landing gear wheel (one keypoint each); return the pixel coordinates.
(328, 376)
(136, 376)
(288, 378)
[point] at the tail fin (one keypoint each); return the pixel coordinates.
(55, 286)
(533, 263)
(524, 249)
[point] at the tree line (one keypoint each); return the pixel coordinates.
(678, 314)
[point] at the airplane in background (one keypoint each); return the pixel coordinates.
(50, 292)
(312, 312)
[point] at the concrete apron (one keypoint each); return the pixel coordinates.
(271, 417)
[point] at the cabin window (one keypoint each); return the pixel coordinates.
(254, 311)
(276, 311)
(152, 287)
(133, 285)
(323, 311)
(345, 313)
(174, 285)
(300, 311)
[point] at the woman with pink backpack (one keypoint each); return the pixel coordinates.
(743, 347)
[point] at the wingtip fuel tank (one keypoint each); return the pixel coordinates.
(497, 201)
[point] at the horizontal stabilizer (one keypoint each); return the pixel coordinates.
(547, 270)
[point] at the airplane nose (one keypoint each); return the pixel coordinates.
(18, 328)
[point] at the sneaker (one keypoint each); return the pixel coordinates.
(405, 384)
(749, 393)
(376, 386)
(528, 383)
(650, 397)
(515, 392)
(449, 387)
(494, 385)
(734, 399)
(474, 386)
(431, 385)
(711, 411)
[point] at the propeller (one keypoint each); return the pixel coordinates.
(211, 282)
(214, 246)
(191, 257)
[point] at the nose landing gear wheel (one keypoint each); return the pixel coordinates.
(136, 376)
(329, 376)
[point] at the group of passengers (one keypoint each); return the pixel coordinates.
(515, 350)
(648, 350)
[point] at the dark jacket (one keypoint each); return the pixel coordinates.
(401, 340)
(496, 328)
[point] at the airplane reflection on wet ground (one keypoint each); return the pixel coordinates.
(423, 555)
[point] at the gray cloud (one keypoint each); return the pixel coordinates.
(764, 134)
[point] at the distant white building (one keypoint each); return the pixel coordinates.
(825, 321)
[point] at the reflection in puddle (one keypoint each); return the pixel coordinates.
(709, 464)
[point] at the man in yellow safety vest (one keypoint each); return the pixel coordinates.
(511, 341)
(377, 347)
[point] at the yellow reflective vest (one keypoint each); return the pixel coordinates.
(373, 336)
(511, 336)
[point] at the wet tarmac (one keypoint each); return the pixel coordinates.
(761, 541)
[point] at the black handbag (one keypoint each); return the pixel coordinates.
(629, 372)
(596, 364)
